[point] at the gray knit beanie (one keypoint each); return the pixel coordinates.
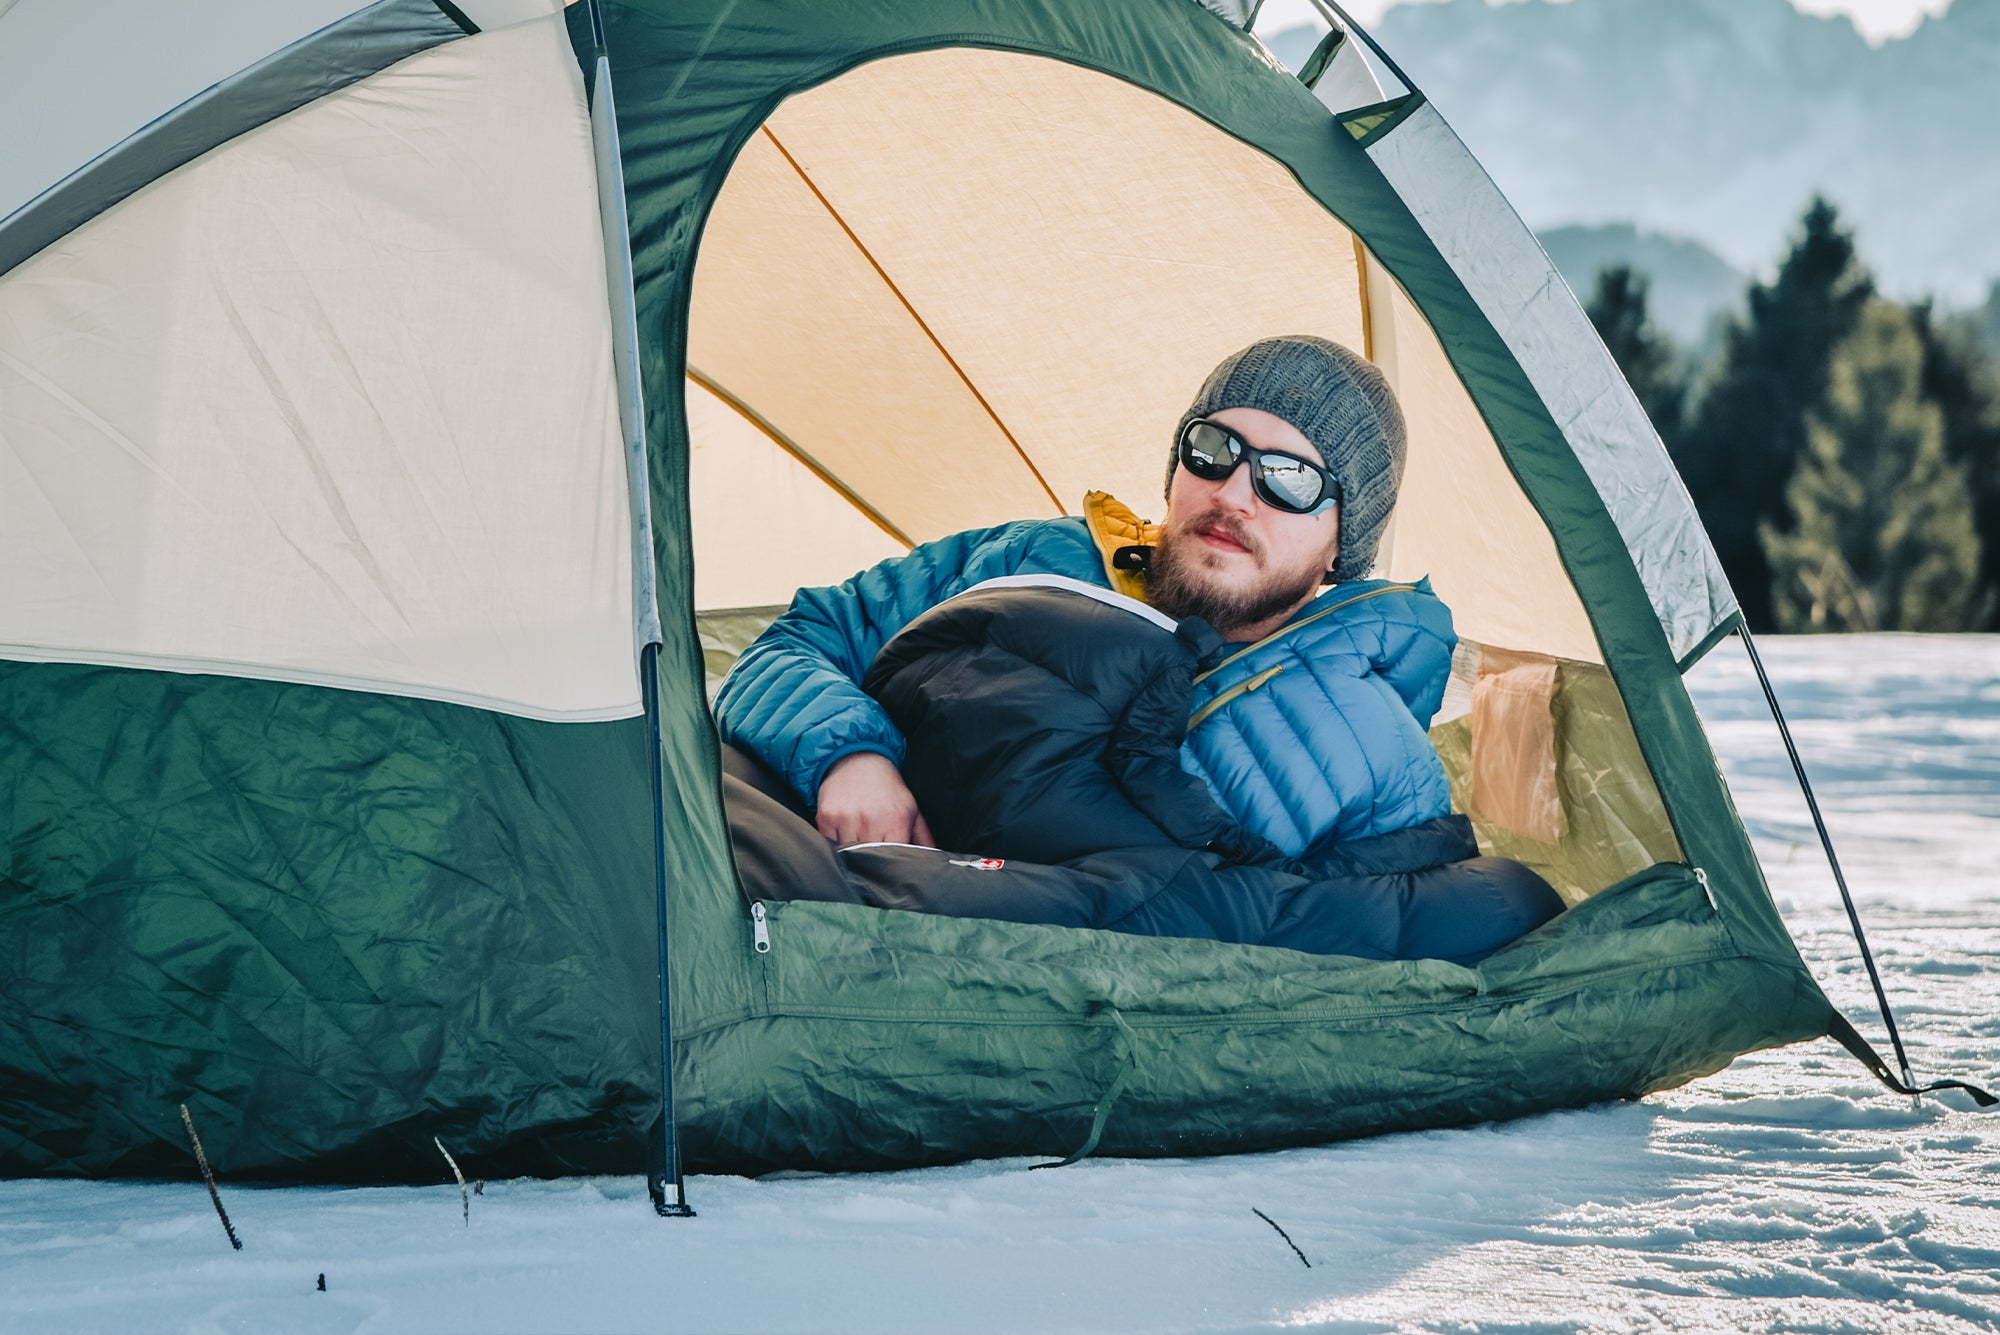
(1340, 403)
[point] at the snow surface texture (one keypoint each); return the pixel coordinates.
(1790, 1192)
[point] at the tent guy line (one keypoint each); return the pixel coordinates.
(1844, 1031)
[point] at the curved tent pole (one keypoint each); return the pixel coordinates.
(1331, 11)
(1842, 1030)
(663, 1170)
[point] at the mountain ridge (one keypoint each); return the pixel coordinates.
(1718, 120)
(1690, 285)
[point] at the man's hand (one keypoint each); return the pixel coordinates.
(863, 800)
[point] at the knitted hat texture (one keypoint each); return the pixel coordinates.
(1340, 403)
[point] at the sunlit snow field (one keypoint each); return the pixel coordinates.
(1788, 1193)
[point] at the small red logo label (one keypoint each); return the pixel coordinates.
(980, 864)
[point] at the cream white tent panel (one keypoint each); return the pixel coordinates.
(334, 403)
(764, 524)
(82, 94)
(1462, 519)
(1520, 292)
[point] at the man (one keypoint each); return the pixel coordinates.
(1282, 479)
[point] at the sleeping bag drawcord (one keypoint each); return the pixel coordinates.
(1840, 1030)
(1128, 1060)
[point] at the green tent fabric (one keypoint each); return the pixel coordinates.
(321, 919)
(340, 909)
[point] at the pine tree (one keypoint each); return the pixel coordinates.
(1749, 428)
(1618, 306)
(1963, 379)
(1882, 535)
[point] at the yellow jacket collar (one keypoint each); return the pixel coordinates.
(1113, 525)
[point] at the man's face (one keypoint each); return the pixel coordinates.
(1227, 557)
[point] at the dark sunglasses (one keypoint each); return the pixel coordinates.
(1212, 451)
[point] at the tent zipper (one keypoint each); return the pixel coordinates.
(1201, 715)
(760, 928)
(1702, 877)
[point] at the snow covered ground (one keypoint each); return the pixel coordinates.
(1788, 1193)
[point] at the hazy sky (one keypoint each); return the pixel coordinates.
(1878, 20)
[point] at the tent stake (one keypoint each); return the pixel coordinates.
(464, 1198)
(208, 1176)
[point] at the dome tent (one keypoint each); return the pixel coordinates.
(328, 692)
(993, 233)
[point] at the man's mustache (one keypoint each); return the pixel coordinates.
(1229, 527)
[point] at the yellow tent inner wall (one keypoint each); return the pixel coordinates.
(956, 288)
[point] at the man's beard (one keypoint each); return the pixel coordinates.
(1179, 584)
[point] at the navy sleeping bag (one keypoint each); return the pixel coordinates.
(1044, 728)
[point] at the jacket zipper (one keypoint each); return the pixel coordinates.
(1240, 688)
(760, 930)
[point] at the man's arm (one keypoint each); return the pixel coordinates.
(794, 698)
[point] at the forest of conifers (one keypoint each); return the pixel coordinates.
(1843, 448)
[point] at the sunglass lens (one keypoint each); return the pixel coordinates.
(1293, 483)
(1208, 451)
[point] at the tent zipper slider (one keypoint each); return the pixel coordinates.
(760, 931)
(1702, 877)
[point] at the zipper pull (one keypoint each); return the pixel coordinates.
(1702, 876)
(760, 931)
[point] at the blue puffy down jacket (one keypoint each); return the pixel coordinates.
(1318, 730)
